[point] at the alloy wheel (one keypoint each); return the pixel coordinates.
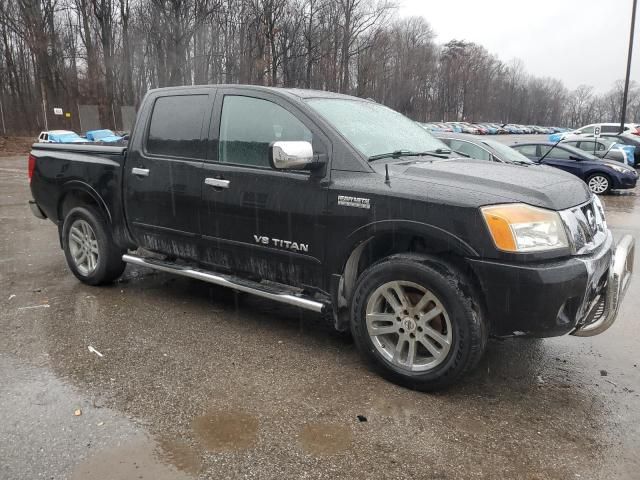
(83, 246)
(409, 326)
(598, 184)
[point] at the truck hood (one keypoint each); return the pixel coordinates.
(537, 185)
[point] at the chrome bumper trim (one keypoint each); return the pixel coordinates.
(617, 283)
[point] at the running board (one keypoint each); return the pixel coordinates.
(230, 281)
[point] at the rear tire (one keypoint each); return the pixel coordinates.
(599, 183)
(92, 255)
(437, 348)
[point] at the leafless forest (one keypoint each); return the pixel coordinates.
(110, 52)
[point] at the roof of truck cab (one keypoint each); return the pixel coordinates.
(300, 93)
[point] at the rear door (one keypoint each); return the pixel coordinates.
(163, 171)
(266, 223)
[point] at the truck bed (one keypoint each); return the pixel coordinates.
(64, 171)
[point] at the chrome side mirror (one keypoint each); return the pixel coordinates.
(293, 155)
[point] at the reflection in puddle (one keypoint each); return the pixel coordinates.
(226, 430)
(325, 439)
(180, 454)
(129, 461)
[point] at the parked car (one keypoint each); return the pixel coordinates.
(605, 128)
(443, 127)
(602, 148)
(628, 140)
(482, 148)
(632, 128)
(601, 176)
(60, 136)
(339, 205)
(104, 136)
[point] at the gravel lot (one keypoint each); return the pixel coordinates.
(196, 382)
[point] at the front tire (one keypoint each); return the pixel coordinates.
(599, 183)
(415, 320)
(92, 255)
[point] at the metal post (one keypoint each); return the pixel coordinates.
(44, 112)
(626, 81)
(79, 117)
(113, 113)
(4, 127)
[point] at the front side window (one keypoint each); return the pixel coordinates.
(590, 146)
(587, 130)
(249, 125)
(176, 126)
(374, 129)
(557, 153)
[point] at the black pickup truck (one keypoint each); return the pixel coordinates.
(339, 205)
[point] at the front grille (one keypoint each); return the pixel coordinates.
(586, 226)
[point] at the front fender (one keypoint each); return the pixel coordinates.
(432, 235)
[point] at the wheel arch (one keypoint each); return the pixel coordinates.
(76, 193)
(379, 240)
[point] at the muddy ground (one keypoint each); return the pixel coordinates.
(193, 381)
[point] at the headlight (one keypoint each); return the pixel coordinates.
(517, 227)
(620, 169)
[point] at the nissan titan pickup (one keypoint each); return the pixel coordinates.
(341, 206)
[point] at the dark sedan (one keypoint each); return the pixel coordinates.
(600, 175)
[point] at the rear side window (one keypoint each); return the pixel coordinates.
(248, 125)
(610, 129)
(526, 150)
(469, 149)
(176, 126)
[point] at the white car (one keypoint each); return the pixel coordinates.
(60, 136)
(608, 128)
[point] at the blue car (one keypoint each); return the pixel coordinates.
(60, 136)
(601, 176)
(106, 136)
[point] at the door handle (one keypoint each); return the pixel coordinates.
(217, 182)
(140, 172)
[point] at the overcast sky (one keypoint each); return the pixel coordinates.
(577, 41)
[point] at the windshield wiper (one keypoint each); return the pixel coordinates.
(439, 153)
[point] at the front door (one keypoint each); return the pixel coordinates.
(162, 174)
(258, 221)
(562, 159)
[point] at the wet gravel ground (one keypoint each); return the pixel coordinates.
(197, 382)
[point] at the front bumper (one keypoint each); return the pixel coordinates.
(579, 295)
(604, 310)
(626, 181)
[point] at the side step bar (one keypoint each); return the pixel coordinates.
(223, 280)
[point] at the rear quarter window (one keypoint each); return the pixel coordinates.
(176, 126)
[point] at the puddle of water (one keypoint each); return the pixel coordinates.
(133, 460)
(180, 454)
(325, 439)
(226, 430)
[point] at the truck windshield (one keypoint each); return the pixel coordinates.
(374, 129)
